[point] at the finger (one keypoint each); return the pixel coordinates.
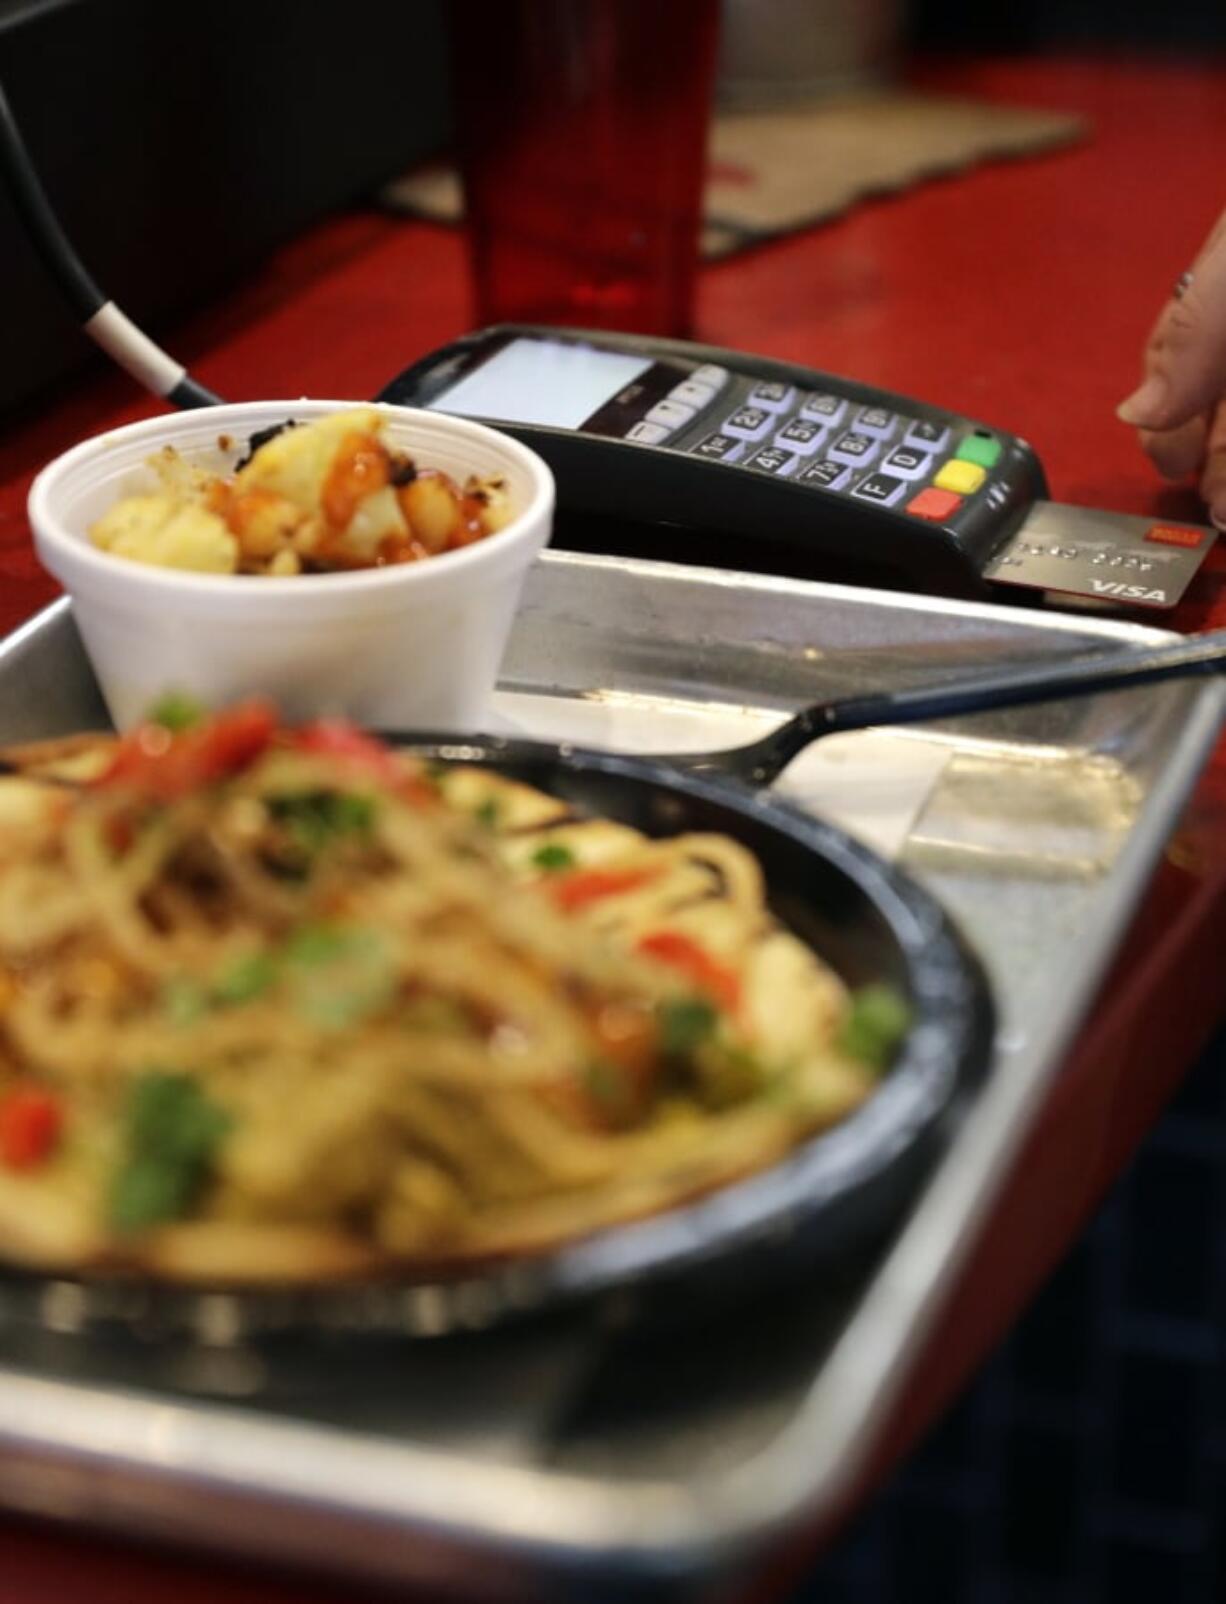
(1185, 359)
(1213, 479)
(1176, 453)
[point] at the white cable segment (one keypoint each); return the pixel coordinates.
(134, 351)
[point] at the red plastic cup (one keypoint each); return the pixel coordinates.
(582, 130)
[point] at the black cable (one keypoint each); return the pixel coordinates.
(100, 318)
(188, 393)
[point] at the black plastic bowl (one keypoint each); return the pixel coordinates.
(825, 1201)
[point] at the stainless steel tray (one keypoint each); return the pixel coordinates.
(594, 1454)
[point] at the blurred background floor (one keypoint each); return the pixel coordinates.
(1087, 1462)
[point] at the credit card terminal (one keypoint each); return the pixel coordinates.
(693, 453)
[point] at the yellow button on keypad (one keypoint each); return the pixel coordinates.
(961, 477)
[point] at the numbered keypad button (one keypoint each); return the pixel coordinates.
(648, 434)
(826, 409)
(693, 393)
(670, 414)
(857, 450)
(770, 459)
(926, 436)
(826, 475)
(749, 423)
(720, 448)
(802, 436)
(876, 421)
(775, 397)
(905, 462)
(881, 488)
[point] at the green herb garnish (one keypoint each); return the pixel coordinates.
(726, 1074)
(177, 711)
(171, 1134)
(488, 812)
(877, 1021)
(246, 978)
(315, 818)
(340, 974)
(553, 856)
(685, 1023)
(184, 1000)
(321, 943)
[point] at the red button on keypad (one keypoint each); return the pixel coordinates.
(934, 505)
(1170, 535)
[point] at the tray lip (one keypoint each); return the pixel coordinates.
(1123, 630)
(643, 1526)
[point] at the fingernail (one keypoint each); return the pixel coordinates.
(1143, 408)
(1217, 517)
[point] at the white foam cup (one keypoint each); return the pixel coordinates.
(406, 646)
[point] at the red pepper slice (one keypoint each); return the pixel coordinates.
(337, 737)
(682, 952)
(30, 1124)
(576, 890)
(165, 765)
(367, 755)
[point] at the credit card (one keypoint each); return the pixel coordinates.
(1115, 559)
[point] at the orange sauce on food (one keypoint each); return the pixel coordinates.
(219, 498)
(399, 549)
(359, 468)
(471, 527)
(246, 512)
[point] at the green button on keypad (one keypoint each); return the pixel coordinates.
(979, 449)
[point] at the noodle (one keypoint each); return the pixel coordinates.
(280, 1005)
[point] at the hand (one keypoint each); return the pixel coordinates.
(1180, 407)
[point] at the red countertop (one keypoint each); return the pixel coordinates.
(1019, 293)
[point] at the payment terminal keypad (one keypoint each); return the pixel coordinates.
(929, 469)
(924, 468)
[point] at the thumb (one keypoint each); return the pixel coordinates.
(1185, 360)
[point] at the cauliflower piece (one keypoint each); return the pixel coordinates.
(491, 491)
(433, 510)
(377, 518)
(264, 524)
(295, 464)
(162, 530)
